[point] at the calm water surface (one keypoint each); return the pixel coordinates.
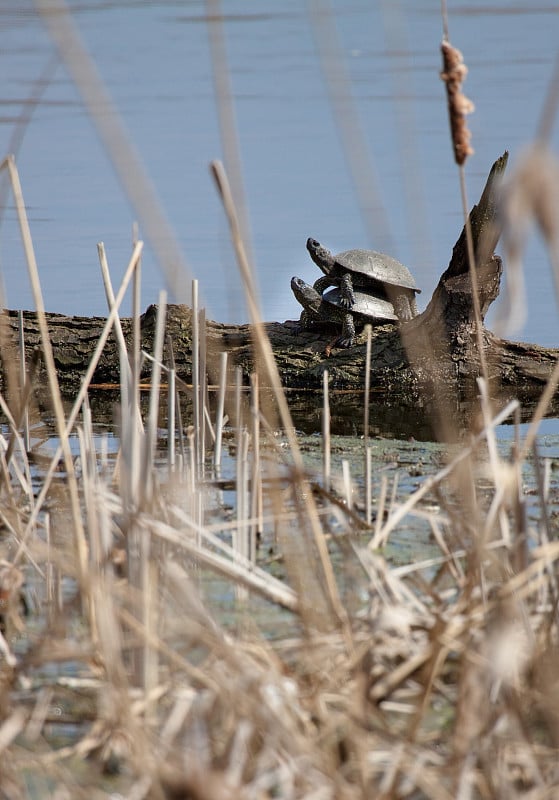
(154, 59)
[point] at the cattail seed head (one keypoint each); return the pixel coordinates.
(453, 74)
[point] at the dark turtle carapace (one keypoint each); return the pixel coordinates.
(375, 272)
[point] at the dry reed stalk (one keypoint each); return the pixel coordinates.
(367, 465)
(130, 401)
(29, 106)
(178, 429)
(501, 474)
(79, 533)
(267, 519)
(348, 490)
(84, 387)
(196, 412)
(109, 294)
(346, 118)
(401, 511)
(242, 456)
(136, 360)
(24, 479)
(236, 541)
(326, 472)
(328, 590)
(117, 143)
(368, 486)
(544, 527)
(453, 74)
(378, 536)
(235, 567)
(142, 574)
(239, 231)
(219, 414)
(192, 461)
(256, 512)
(148, 465)
(23, 379)
(23, 416)
(204, 414)
(207, 535)
(226, 117)
(531, 196)
(97, 552)
(171, 422)
(49, 574)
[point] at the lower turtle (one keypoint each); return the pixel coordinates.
(329, 308)
(366, 269)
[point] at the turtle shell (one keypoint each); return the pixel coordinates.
(366, 305)
(377, 266)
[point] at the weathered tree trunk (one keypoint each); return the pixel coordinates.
(422, 372)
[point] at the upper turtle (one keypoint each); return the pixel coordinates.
(377, 272)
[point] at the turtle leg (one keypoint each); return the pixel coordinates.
(348, 332)
(322, 283)
(305, 321)
(347, 297)
(402, 307)
(413, 305)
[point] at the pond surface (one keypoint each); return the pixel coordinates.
(155, 62)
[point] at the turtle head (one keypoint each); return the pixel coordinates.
(322, 257)
(308, 297)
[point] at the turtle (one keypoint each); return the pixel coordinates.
(366, 269)
(329, 308)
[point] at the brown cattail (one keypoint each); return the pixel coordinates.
(453, 74)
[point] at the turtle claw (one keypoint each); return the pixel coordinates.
(347, 302)
(345, 341)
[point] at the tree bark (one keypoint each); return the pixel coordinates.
(423, 372)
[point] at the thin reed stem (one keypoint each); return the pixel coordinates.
(153, 413)
(23, 407)
(171, 423)
(326, 473)
(368, 486)
(265, 356)
(118, 144)
(366, 448)
(256, 478)
(196, 378)
(473, 275)
(401, 511)
(56, 399)
(203, 382)
(23, 378)
(347, 483)
(83, 389)
(220, 408)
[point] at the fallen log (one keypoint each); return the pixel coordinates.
(422, 372)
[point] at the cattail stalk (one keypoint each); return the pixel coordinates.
(220, 408)
(325, 432)
(196, 375)
(453, 74)
(24, 411)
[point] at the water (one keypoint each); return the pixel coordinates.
(154, 60)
